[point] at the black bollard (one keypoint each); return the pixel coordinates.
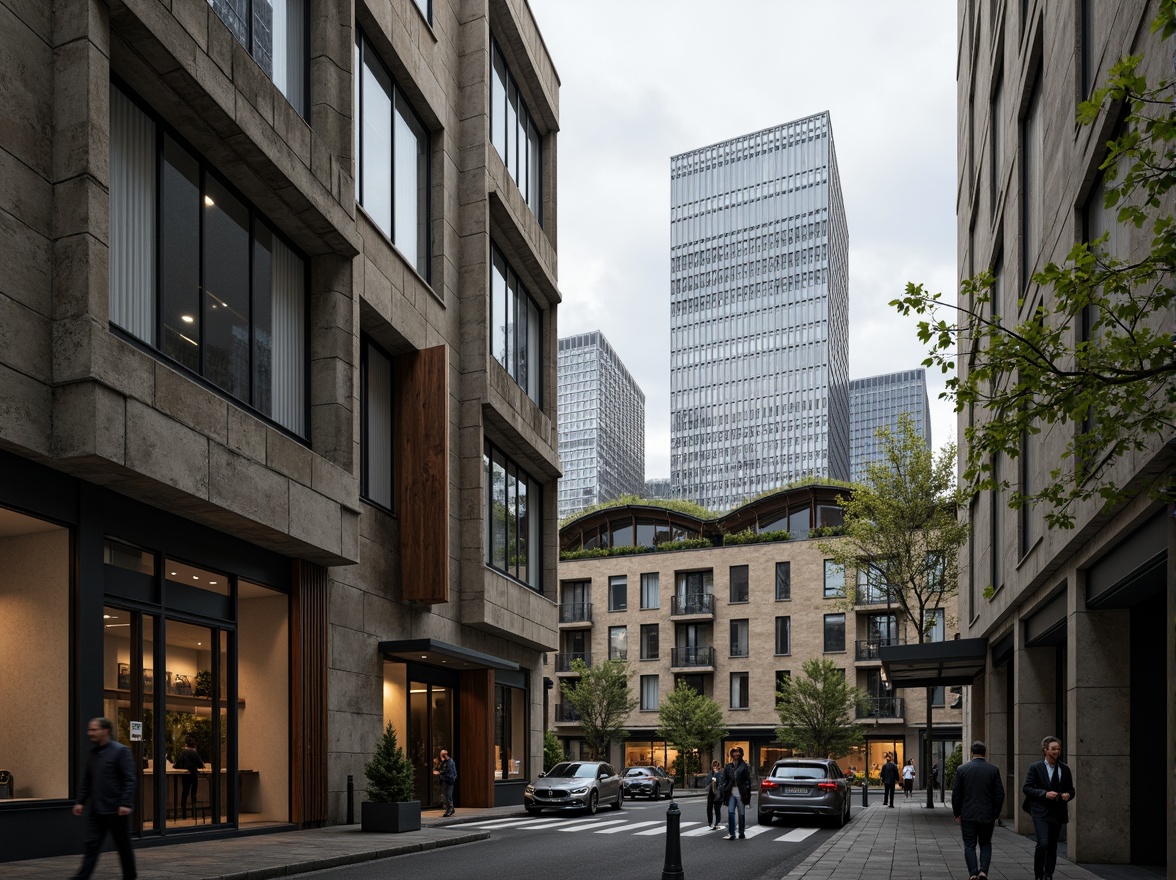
(865, 795)
(350, 799)
(672, 870)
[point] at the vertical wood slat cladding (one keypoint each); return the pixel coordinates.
(422, 473)
(475, 776)
(308, 716)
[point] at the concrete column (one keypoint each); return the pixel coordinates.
(1034, 679)
(992, 718)
(1098, 708)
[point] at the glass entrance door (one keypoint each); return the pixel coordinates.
(128, 695)
(430, 729)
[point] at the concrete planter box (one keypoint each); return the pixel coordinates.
(391, 818)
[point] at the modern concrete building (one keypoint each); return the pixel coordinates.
(877, 402)
(658, 488)
(730, 620)
(1078, 623)
(759, 314)
(277, 400)
(601, 424)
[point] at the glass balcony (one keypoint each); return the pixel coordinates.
(867, 649)
(693, 604)
(563, 662)
(683, 658)
(881, 707)
(575, 612)
(565, 713)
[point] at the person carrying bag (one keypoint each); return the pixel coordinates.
(714, 803)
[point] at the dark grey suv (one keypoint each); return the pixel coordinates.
(804, 787)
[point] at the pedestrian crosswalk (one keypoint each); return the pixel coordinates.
(646, 828)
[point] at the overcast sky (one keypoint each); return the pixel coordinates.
(642, 80)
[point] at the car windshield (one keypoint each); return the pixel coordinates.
(639, 771)
(801, 771)
(581, 771)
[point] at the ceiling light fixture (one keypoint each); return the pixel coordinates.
(187, 319)
(208, 201)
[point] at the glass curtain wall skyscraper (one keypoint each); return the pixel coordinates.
(876, 402)
(759, 314)
(601, 425)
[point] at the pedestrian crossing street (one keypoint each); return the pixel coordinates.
(608, 824)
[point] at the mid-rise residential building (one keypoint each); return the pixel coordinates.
(1076, 623)
(877, 402)
(601, 424)
(731, 620)
(759, 314)
(277, 401)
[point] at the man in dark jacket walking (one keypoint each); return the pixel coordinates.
(889, 780)
(446, 774)
(1049, 787)
(976, 799)
(107, 788)
(736, 792)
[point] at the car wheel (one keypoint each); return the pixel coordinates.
(766, 818)
(848, 808)
(592, 798)
(620, 800)
(533, 811)
(656, 795)
(670, 793)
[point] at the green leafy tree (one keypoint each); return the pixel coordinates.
(816, 711)
(603, 699)
(690, 721)
(389, 772)
(903, 533)
(1096, 355)
(553, 751)
(952, 765)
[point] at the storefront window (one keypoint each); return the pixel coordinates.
(263, 682)
(34, 657)
(651, 753)
(510, 732)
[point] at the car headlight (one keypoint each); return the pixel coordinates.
(530, 789)
(583, 790)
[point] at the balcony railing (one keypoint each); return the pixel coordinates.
(618, 653)
(693, 603)
(867, 649)
(881, 707)
(563, 662)
(565, 713)
(872, 596)
(685, 657)
(575, 612)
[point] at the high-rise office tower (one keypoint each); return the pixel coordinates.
(876, 402)
(759, 314)
(601, 424)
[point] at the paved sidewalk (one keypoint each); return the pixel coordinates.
(913, 843)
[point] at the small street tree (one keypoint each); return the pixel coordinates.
(903, 534)
(553, 751)
(816, 711)
(690, 721)
(602, 697)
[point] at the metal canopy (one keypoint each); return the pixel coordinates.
(933, 664)
(438, 653)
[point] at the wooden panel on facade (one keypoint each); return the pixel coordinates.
(475, 776)
(422, 473)
(308, 711)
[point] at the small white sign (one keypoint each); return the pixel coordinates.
(136, 731)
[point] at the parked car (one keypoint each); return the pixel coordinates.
(575, 785)
(650, 782)
(806, 787)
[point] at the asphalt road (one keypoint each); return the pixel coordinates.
(629, 844)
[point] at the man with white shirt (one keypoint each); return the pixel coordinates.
(1049, 787)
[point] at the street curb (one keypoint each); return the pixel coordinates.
(353, 858)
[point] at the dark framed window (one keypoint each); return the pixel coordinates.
(739, 645)
(510, 732)
(937, 696)
(197, 274)
(782, 675)
(650, 646)
(783, 581)
(376, 423)
(834, 580)
(514, 517)
(514, 133)
(618, 643)
(783, 635)
(392, 158)
(739, 583)
(516, 329)
(934, 625)
(995, 136)
(275, 34)
(618, 593)
(740, 695)
(426, 8)
(649, 697)
(649, 590)
(1032, 182)
(834, 633)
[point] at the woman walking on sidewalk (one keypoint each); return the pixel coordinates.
(713, 793)
(908, 778)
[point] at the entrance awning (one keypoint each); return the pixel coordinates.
(933, 664)
(437, 653)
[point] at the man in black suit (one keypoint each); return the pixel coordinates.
(889, 780)
(1049, 787)
(976, 799)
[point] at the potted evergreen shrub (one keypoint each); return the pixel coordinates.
(390, 806)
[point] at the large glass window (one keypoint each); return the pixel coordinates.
(783, 581)
(513, 132)
(197, 274)
(649, 590)
(834, 633)
(375, 381)
(510, 733)
(934, 625)
(36, 735)
(515, 328)
(834, 580)
(649, 641)
(274, 33)
(1032, 186)
(740, 696)
(392, 158)
(513, 518)
(618, 643)
(739, 590)
(739, 645)
(618, 593)
(783, 635)
(649, 699)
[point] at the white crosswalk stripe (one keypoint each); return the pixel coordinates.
(543, 824)
(796, 835)
(753, 830)
(699, 832)
(503, 823)
(594, 824)
(662, 829)
(644, 828)
(626, 827)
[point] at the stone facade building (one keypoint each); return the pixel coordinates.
(731, 620)
(277, 399)
(1077, 623)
